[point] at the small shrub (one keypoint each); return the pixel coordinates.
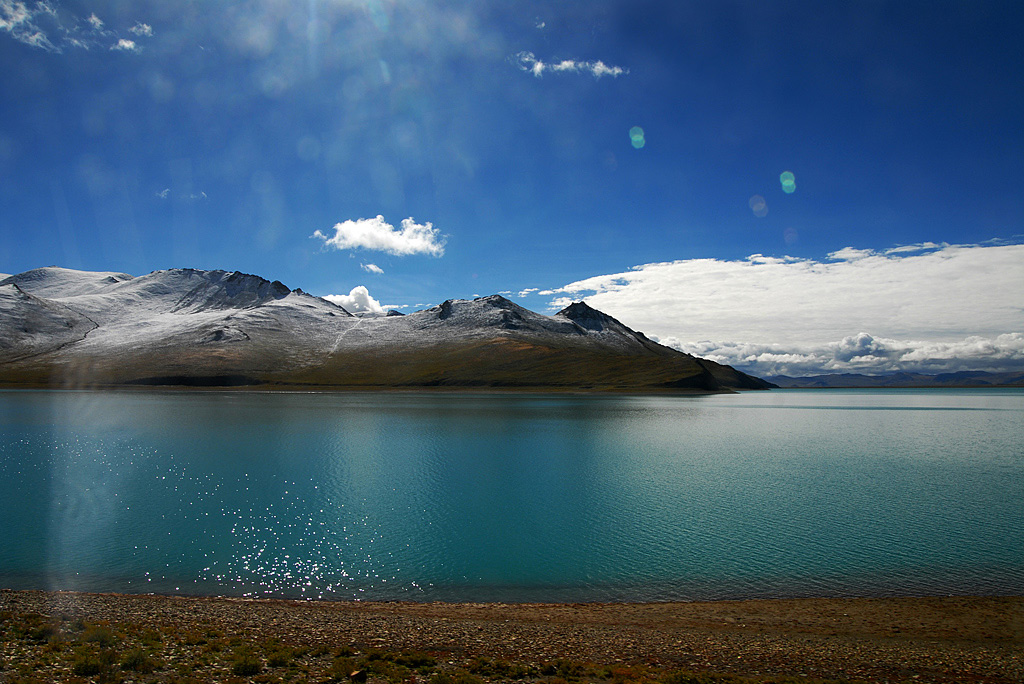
(279, 656)
(137, 660)
(466, 678)
(215, 646)
(89, 663)
(246, 664)
(564, 669)
(501, 669)
(151, 637)
(99, 635)
(458, 678)
(86, 666)
(341, 668)
(195, 639)
(414, 659)
(43, 633)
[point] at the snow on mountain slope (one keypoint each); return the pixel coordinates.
(52, 281)
(35, 326)
(182, 325)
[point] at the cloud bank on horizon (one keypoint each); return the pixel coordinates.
(925, 308)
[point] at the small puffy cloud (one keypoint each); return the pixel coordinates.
(372, 268)
(95, 22)
(379, 235)
(528, 62)
(125, 45)
(164, 193)
(141, 29)
(357, 301)
(527, 291)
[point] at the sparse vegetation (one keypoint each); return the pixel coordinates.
(137, 660)
(36, 648)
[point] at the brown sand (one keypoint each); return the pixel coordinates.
(944, 639)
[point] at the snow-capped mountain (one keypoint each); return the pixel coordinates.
(60, 327)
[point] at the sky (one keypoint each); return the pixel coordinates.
(788, 187)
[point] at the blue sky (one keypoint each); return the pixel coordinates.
(268, 136)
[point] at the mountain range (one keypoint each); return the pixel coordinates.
(901, 379)
(189, 327)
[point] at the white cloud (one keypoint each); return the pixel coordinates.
(19, 20)
(13, 15)
(357, 301)
(377, 234)
(164, 193)
(527, 291)
(125, 45)
(527, 61)
(952, 302)
(372, 268)
(40, 25)
(865, 353)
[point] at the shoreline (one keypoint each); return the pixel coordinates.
(924, 639)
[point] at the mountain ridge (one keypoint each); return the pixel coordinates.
(900, 379)
(191, 327)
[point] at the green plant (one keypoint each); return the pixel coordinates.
(44, 633)
(88, 662)
(246, 664)
(279, 656)
(414, 659)
(99, 635)
(137, 660)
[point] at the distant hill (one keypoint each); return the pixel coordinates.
(187, 327)
(958, 379)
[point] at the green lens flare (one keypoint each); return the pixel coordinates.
(788, 181)
(636, 137)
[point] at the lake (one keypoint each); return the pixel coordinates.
(514, 497)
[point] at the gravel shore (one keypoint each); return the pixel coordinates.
(943, 639)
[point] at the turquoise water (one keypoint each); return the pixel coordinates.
(423, 496)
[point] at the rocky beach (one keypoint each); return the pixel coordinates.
(144, 638)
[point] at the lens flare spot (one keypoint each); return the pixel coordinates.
(758, 206)
(636, 137)
(788, 181)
